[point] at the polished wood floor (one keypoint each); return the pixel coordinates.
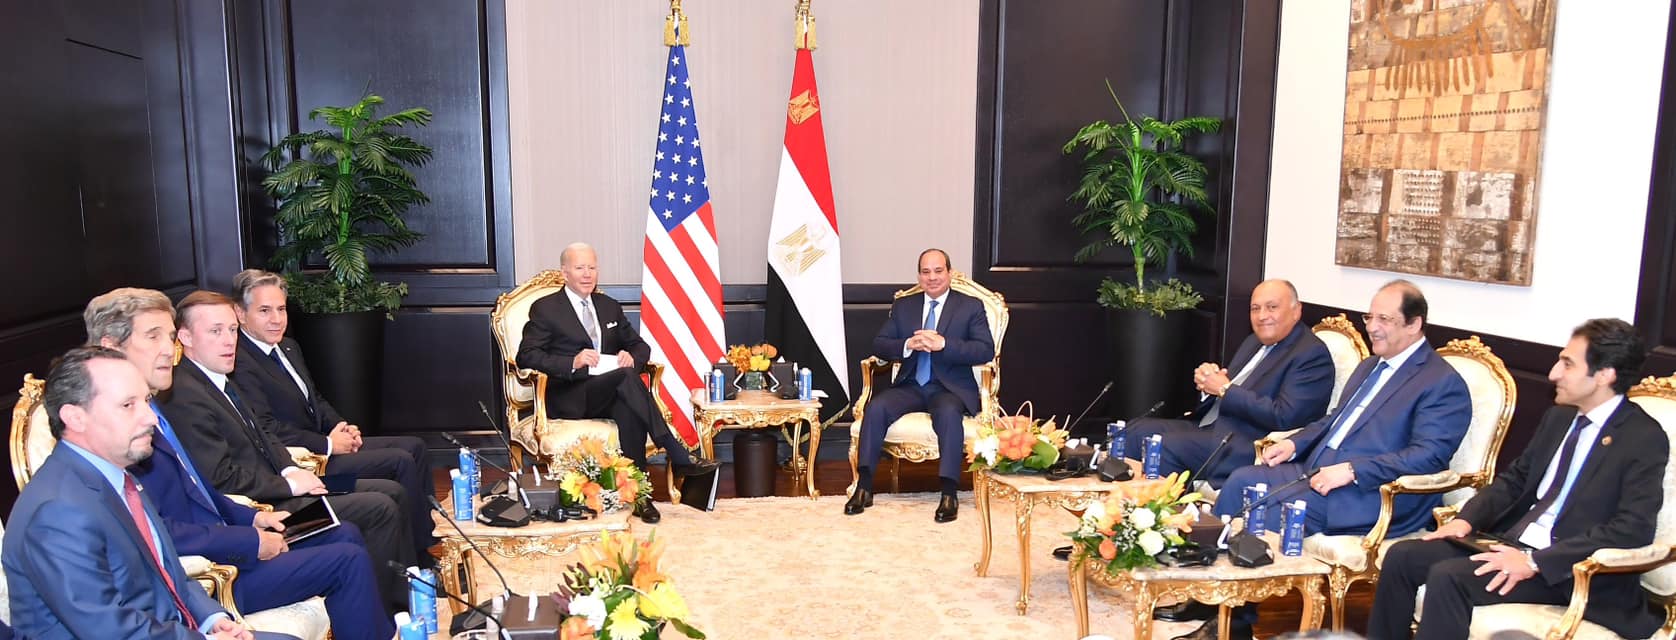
(832, 477)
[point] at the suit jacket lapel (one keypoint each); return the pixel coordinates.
(161, 444)
(96, 482)
(1597, 453)
(1392, 385)
(1277, 354)
(943, 313)
(225, 404)
(604, 336)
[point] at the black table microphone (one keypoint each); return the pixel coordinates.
(475, 618)
(1198, 473)
(447, 517)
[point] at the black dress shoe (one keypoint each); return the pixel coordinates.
(647, 512)
(698, 467)
(1207, 631)
(1062, 553)
(947, 509)
(858, 502)
(1185, 612)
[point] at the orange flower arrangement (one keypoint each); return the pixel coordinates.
(617, 591)
(753, 358)
(1129, 529)
(1016, 443)
(596, 475)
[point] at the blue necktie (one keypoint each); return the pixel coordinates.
(1339, 421)
(922, 371)
(168, 432)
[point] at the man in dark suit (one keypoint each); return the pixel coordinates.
(272, 365)
(233, 441)
(1403, 412)
(1283, 378)
(139, 323)
(576, 329)
(938, 336)
(87, 556)
(1590, 479)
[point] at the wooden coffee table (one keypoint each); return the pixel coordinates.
(1221, 584)
(1028, 491)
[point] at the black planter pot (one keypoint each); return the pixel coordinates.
(345, 353)
(1149, 361)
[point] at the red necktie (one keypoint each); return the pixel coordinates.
(131, 493)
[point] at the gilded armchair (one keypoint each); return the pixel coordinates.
(910, 437)
(1654, 562)
(525, 390)
(1348, 349)
(31, 443)
(1356, 558)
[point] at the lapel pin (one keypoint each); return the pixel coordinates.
(1606, 441)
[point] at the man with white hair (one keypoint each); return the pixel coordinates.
(576, 329)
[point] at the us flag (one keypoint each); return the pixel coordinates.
(681, 286)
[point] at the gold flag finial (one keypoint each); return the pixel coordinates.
(803, 27)
(671, 34)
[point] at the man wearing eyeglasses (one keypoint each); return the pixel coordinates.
(1403, 412)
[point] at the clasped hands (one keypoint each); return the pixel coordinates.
(927, 340)
(589, 358)
(346, 438)
(1210, 378)
(1325, 479)
(1511, 565)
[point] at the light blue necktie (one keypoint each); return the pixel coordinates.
(922, 371)
(1340, 421)
(168, 432)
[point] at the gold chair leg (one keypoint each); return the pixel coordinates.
(895, 474)
(855, 473)
(1339, 582)
(669, 476)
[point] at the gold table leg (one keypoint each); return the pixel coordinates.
(1222, 619)
(814, 451)
(980, 498)
(1314, 602)
(1145, 599)
(1079, 593)
(1023, 506)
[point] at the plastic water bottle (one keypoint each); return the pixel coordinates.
(429, 590)
(409, 629)
(718, 393)
(805, 384)
(464, 510)
(468, 468)
(421, 601)
(1154, 456)
(1256, 520)
(1115, 432)
(1292, 537)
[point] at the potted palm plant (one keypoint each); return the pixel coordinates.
(341, 193)
(1141, 190)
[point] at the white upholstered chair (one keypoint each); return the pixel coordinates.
(525, 390)
(31, 442)
(1355, 558)
(911, 437)
(1658, 397)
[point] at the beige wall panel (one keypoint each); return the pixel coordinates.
(898, 96)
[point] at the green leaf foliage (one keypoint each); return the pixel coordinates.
(341, 194)
(1139, 188)
(1170, 295)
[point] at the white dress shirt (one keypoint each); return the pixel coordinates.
(1540, 533)
(285, 363)
(924, 308)
(582, 315)
(1393, 364)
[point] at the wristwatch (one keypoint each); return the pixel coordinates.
(1530, 560)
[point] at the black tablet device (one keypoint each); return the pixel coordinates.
(313, 518)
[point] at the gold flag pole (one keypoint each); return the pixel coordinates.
(803, 27)
(671, 35)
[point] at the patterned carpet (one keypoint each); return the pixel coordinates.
(795, 568)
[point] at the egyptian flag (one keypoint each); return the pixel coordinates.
(805, 284)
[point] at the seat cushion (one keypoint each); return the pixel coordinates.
(1346, 551)
(306, 619)
(1524, 619)
(1345, 359)
(559, 434)
(914, 430)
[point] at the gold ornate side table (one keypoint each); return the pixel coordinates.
(759, 409)
(1028, 491)
(1221, 584)
(538, 538)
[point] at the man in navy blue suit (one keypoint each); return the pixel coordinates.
(272, 365)
(87, 556)
(1280, 378)
(938, 336)
(1404, 412)
(139, 323)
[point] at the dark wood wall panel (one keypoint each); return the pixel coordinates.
(429, 54)
(1042, 75)
(439, 362)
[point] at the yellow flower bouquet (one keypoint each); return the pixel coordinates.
(1126, 532)
(617, 591)
(592, 473)
(753, 358)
